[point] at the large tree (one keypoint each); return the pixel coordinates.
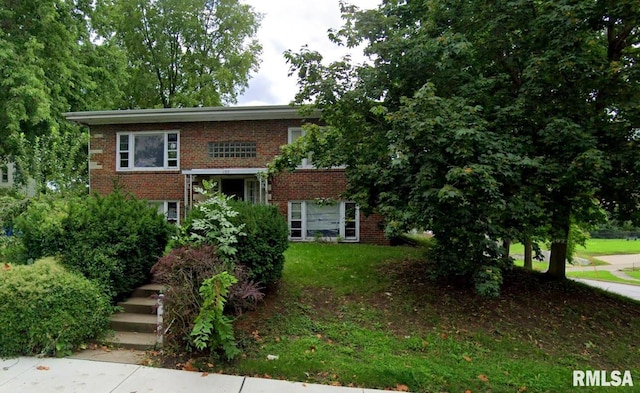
(483, 121)
(182, 53)
(50, 66)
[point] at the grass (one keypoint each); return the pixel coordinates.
(368, 316)
(601, 275)
(595, 247)
(635, 273)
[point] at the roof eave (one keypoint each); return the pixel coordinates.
(185, 115)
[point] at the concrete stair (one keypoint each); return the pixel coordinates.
(135, 326)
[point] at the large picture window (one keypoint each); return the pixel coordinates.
(148, 150)
(309, 220)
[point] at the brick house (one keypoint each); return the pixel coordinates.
(161, 155)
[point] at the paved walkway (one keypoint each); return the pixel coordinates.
(33, 375)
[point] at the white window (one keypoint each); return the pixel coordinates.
(309, 220)
(295, 133)
(155, 150)
(169, 209)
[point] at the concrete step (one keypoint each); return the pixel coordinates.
(139, 305)
(130, 322)
(132, 340)
(148, 290)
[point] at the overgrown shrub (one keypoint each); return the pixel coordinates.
(266, 238)
(39, 229)
(46, 309)
(114, 240)
(183, 271)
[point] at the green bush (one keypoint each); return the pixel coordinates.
(261, 249)
(38, 229)
(46, 309)
(114, 240)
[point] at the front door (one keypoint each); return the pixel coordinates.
(233, 188)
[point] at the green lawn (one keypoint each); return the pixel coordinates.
(368, 316)
(633, 273)
(594, 247)
(601, 275)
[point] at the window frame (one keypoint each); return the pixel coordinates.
(342, 209)
(130, 151)
(164, 205)
(5, 178)
(307, 163)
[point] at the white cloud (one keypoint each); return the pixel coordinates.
(290, 24)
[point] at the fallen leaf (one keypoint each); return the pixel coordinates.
(7, 266)
(468, 391)
(42, 368)
(467, 358)
(267, 376)
(205, 374)
(402, 388)
(189, 366)
(483, 378)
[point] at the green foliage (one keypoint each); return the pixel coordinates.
(114, 240)
(50, 66)
(39, 229)
(182, 53)
(481, 121)
(46, 310)
(183, 270)
(488, 280)
(261, 248)
(210, 223)
(212, 329)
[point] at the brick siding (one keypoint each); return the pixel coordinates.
(269, 135)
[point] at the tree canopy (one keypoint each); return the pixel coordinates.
(483, 121)
(182, 53)
(50, 66)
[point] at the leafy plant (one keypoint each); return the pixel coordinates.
(488, 280)
(46, 309)
(212, 328)
(210, 223)
(261, 248)
(39, 228)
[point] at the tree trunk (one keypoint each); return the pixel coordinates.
(557, 261)
(528, 255)
(506, 244)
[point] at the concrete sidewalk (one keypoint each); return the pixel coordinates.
(630, 291)
(34, 375)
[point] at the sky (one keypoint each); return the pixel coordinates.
(290, 24)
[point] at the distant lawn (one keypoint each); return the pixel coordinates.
(369, 316)
(594, 247)
(633, 273)
(601, 275)
(537, 266)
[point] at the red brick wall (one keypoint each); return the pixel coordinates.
(269, 135)
(304, 185)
